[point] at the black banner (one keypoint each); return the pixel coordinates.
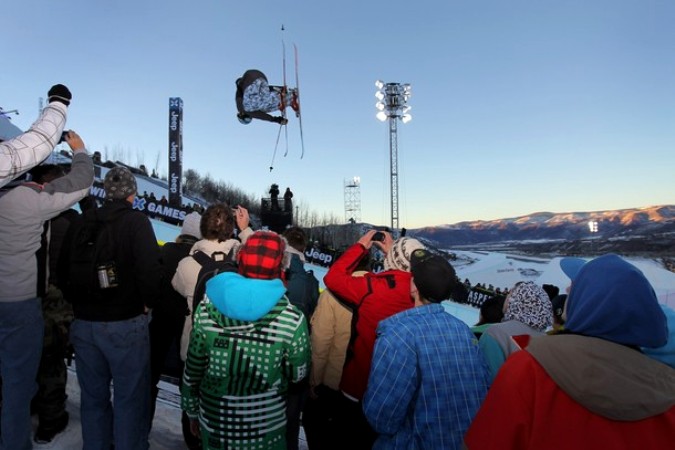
(156, 209)
(175, 150)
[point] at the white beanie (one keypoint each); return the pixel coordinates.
(191, 225)
(398, 257)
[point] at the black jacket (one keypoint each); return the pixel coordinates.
(137, 262)
(172, 304)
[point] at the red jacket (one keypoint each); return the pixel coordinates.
(576, 392)
(374, 297)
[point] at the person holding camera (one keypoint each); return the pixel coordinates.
(23, 213)
(27, 150)
(374, 298)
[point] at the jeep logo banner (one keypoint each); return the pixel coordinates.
(315, 256)
(175, 150)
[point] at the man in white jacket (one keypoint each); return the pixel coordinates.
(20, 154)
(23, 212)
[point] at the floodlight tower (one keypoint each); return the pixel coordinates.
(392, 103)
(353, 200)
(593, 228)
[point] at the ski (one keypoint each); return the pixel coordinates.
(297, 100)
(283, 94)
(282, 105)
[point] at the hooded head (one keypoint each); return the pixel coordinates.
(666, 353)
(261, 256)
(191, 225)
(528, 303)
(399, 255)
(611, 299)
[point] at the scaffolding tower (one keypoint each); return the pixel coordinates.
(353, 200)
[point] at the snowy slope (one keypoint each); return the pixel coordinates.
(503, 270)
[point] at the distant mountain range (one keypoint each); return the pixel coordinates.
(655, 222)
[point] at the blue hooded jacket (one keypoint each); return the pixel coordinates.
(242, 298)
(611, 299)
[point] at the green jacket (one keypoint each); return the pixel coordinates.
(237, 371)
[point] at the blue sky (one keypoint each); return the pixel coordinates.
(518, 106)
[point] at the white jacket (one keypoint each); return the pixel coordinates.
(185, 279)
(20, 154)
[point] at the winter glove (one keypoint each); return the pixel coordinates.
(59, 93)
(280, 120)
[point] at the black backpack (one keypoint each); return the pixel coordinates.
(92, 272)
(218, 262)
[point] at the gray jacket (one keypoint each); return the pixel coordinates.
(23, 212)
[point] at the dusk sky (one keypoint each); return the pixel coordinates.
(517, 106)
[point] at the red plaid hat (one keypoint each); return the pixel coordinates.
(261, 256)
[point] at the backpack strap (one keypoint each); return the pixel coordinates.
(208, 263)
(201, 257)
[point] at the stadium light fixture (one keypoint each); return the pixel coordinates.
(393, 105)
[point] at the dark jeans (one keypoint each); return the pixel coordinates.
(295, 402)
(117, 352)
(21, 332)
(357, 434)
(166, 329)
(319, 419)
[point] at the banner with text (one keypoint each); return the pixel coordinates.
(175, 150)
(155, 209)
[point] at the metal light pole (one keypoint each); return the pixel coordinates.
(393, 105)
(593, 228)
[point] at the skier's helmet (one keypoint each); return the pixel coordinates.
(244, 119)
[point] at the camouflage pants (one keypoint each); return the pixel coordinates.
(50, 400)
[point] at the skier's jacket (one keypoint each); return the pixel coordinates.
(374, 297)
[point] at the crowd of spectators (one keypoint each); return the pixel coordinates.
(375, 362)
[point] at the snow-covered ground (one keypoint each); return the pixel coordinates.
(503, 270)
(166, 431)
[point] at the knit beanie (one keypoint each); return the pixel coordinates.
(261, 256)
(119, 183)
(191, 225)
(399, 255)
(528, 303)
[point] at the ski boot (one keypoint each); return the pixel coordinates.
(295, 104)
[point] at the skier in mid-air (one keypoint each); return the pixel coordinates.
(256, 98)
